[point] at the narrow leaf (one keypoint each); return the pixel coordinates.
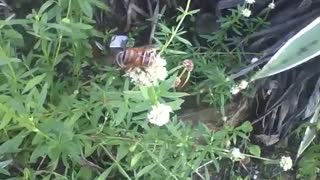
(4, 164)
(309, 135)
(74, 118)
(45, 6)
(145, 170)
(33, 82)
(6, 60)
(302, 47)
(86, 7)
(135, 159)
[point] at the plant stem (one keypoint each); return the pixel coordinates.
(57, 52)
(115, 161)
(174, 33)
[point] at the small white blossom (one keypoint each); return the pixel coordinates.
(271, 5)
(253, 60)
(235, 90)
(243, 84)
(286, 163)
(224, 118)
(269, 92)
(236, 154)
(250, 1)
(246, 12)
(160, 114)
(150, 75)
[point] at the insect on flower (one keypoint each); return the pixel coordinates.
(141, 57)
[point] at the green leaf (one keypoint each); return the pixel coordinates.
(6, 119)
(310, 134)
(86, 7)
(4, 171)
(84, 173)
(6, 60)
(175, 105)
(100, 4)
(172, 51)
(121, 115)
(164, 28)
(59, 27)
(45, 6)
(15, 37)
(174, 131)
(33, 82)
(39, 151)
(135, 159)
(246, 127)
(302, 47)
(173, 95)
(74, 118)
(184, 41)
(193, 11)
(106, 173)
(4, 164)
(255, 150)
(14, 22)
(12, 145)
(60, 57)
(145, 170)
(43, 94)
(123, 150)
(81, 26)
(144, 92)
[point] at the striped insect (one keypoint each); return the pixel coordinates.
(136, 57)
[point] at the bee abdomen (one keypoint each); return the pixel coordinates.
(120, 59)
(149, 58)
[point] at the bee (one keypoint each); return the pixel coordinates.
(136, 57)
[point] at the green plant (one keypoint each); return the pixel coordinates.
(299, 49)
(67, 115)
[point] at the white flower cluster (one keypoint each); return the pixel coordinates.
(250, 1)
(253, 60)
(159, 115)
(286, 163)
(271, 5)
(149, 76)
(246, 12)
(237, 88)
(236, 154)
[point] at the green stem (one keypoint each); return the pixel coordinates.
(69, 8)
(153, 95)
(174, 33)
(261, 158)
(116, 162)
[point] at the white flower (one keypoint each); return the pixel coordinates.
(253, 60)
(243, 84)
(236, 154)
(246, 12)
(150, 75)
(250, 1)
(235, 90)
(271, 5)
(269, 91)
(160, 114)
(286, 163)
(224, 118)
